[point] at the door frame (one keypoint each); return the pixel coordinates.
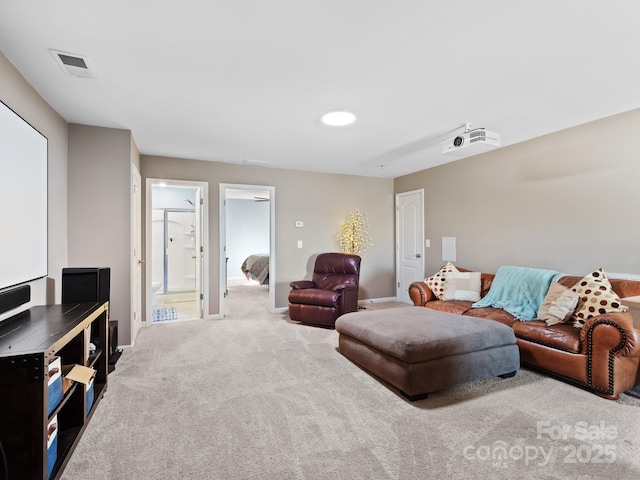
(223, 241)
(137, 261)
(204, 284)
(420, 242)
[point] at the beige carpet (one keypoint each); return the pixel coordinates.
(256, 396)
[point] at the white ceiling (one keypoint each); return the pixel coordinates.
(244, 80)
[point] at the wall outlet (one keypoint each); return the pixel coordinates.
(299, 224)
(299, 243)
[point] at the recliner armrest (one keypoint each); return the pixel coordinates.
(344, 286)
(302, 284)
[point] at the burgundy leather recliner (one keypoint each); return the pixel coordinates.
(331, 292)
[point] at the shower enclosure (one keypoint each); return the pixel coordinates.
(174, 250)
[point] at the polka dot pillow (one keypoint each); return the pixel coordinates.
(436, 282)
(596, 298)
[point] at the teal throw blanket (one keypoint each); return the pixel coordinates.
(518, 290)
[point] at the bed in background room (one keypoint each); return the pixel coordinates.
(256, 267)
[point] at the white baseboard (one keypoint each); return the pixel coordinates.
(377, 300)
(360, 302)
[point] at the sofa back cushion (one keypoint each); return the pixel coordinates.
(332, 269)
(624, 288)
(487, 279)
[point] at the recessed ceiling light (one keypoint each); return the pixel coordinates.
(338, 118)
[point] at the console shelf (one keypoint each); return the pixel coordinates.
(29, 342)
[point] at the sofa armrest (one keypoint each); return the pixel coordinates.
(302, 284)
(420, 294)
(611, 345)
(611, 331)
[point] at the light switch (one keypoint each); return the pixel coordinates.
(427, 243)
(299, 224)
(299, 243)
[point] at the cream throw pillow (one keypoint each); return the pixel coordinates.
(436, 282)
(462, 286)
(558, 305)
(596, 298)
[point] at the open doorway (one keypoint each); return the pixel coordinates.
(247, 247)
(176, 250)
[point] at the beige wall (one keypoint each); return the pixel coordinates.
(99, 193)
(321, 201)
(566, 201)
(24, 100)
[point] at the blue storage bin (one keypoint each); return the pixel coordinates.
(52, 445)
(90, 396)
(54, 395)
(54, 390)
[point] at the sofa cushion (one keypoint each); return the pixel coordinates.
(451, 306)
(561, 336)
(558, 305)
(462, 286)
(436, 282)
(518, 290)
(492, 313)
(596, 298)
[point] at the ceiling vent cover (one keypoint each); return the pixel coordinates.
(73, 64)
(255, 163)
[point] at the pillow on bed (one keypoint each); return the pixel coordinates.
(436, 282)
(558, 305)
(462, 286)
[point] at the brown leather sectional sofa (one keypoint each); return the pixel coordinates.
(603, 356)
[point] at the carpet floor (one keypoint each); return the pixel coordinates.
(257, 397)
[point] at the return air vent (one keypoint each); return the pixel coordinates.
(73, 64)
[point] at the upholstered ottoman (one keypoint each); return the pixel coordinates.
(420, 350)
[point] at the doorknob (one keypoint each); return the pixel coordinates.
(417, 255)
(140, 261)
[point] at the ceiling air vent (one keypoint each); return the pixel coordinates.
(255, 163)
(73, 64)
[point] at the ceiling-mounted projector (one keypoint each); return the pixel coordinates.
(476, 137)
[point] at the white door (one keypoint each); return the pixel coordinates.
(199, 251)
(409, 242)
(136, 250)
